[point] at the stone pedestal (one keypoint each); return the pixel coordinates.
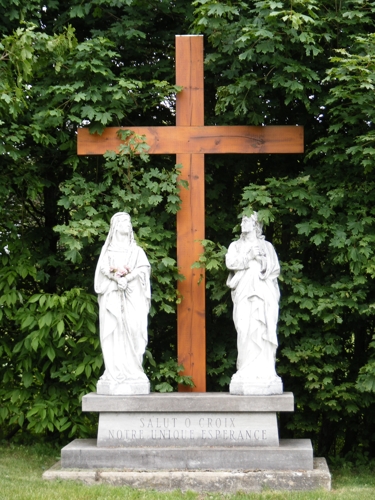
(196, 432)
(129, 388)
(183, 420)
(188, 431)
(256, 388)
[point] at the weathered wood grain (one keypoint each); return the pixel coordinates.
(202, 140)
(191, 312)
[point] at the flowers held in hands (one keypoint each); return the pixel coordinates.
(120, 275)
(120, 272)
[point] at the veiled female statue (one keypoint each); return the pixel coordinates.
(254, 269)
(122, 282)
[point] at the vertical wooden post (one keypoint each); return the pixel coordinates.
(191, 321)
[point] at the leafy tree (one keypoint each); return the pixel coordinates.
(110, 62)
(310, 63)
(64, 65)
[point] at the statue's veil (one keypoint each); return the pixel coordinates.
(99, 279)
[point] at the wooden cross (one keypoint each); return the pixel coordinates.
(190, 140)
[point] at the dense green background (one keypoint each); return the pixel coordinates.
(64, 64)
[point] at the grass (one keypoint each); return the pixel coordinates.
(21, 469)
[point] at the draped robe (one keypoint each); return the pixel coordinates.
(255, 295)
(123, 314)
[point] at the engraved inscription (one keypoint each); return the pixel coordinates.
(180, 429)
(187, 429)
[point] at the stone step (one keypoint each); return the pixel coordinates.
(291, 454)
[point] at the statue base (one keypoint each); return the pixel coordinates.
(188, 431)
(128, 388)
(256, 387)
(187, 440)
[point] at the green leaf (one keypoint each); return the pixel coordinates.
(80, 369)
(60, 327)
(27, 322)
(51, 353)
(27, 379)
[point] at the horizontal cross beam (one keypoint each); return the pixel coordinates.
(207, 140)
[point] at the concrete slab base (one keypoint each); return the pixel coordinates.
(291, 454)
(203, 481)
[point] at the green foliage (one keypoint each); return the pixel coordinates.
(56, 207)
(150, 195)
(50, 358)
(351, 104)
(307, 63)
(166, 375)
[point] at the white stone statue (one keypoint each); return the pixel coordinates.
(254, 269)
(122, 282)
